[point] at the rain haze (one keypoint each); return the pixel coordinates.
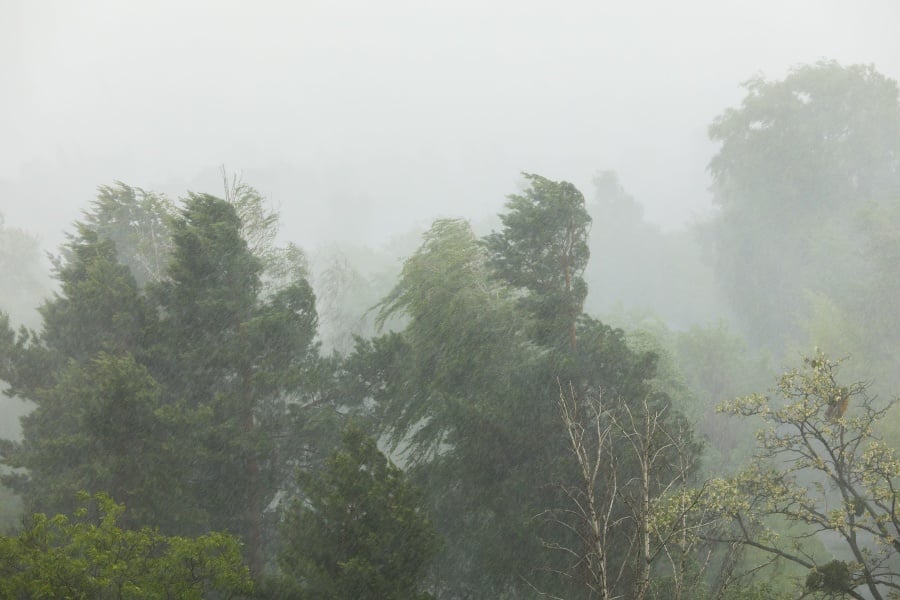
(443, 300)
(362, 120)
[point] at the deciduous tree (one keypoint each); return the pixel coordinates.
(798, 160)
(89, 555)
(825, 469)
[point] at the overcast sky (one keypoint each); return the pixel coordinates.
(364, 118)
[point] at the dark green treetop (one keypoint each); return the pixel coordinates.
(359, 531)
(543, 248)
(239, 354)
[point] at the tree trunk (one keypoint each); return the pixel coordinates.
(253, 493)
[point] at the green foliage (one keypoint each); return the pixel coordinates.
(138, 223)
(823, 466)
(98, 308)
(175, 396)
(716, 365)
(860, 316)
(102, 427)
(236, 353)
(95, 331)
(797, 162)
(89, 555)
(462, 392)
(358, 532)
(461, 323)
(543, 248)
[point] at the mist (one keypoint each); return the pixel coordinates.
(364, 120)
(253, 257)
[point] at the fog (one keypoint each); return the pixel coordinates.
(362, 120)
(269, 223)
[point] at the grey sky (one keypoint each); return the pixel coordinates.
(363, 118)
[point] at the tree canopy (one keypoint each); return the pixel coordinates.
(359, 529)
(797, 162)
(90, 555)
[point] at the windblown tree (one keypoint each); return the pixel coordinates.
(237, 355)
(95, 334)
(137, 222)
(182, 397)
(464, 388)
(543, 248)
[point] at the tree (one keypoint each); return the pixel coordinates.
(99, 306)
(26, 282)
(797, 162)
(25, 279)
(95, 333)
(460, 322)
(861, 316)
(359, 531)
(825, 469)
(137, 222)
(89, 555)
(182, 396)
(237, 354)
(445, 394)
(716, 364)
(601, 506)
(103, 427)
(462, 392)
(543, 248)
(345, 298)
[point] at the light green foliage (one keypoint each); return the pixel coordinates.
(716, 365)
(358, 532)
(821, 467)
(282, 266)
(89, 555)
(344, 297)
(259, 220)
(464, 333)
(798, 160)
(137, 222)
(859, 315)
